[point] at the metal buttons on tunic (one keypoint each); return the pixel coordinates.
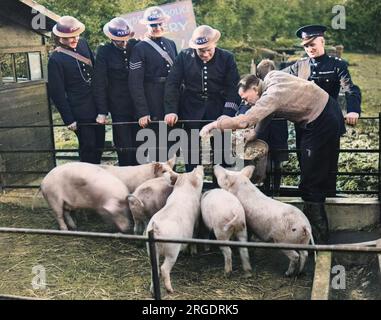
(205, 80)
(165, 49)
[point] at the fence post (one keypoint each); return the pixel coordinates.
(379, 158)
(154, 266)
(271, 174)
(51, 123)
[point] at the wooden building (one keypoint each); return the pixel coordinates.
(24, 31)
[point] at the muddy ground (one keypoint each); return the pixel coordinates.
(362, 277)
(81, 268)
(78, 268)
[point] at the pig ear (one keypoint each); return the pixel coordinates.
(200, 170)
(196, 174)
(248, 171)
(222, 177)
(219, 171)
(171, 162)
(194, 180)
(157, 166)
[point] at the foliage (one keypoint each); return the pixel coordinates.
(270, 23)
(94, 14)
(363, 26)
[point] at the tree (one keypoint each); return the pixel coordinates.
(363, 26)
(94, 14)
(246, 23)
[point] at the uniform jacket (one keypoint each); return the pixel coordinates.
(110, 83)
(329, 73)
(148, 72)
(209, 89)
(69, 83)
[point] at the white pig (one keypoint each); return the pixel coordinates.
(80, 185)
(177, 220)
(134, 176)
(223, 213)
(149, 198)
(269, 219)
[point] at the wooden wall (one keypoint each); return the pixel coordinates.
(23, 104)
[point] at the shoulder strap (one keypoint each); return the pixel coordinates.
(75, 55)
(163, 53)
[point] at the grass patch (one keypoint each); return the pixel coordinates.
(365, 70)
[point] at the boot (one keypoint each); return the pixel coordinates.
(315, 213)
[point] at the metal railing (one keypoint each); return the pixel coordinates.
(152, 240)
(268, 189)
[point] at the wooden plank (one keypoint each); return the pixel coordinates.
(322, 277)
(25, 162)
(23, 48)
(378, 245)
(25, 105)
(23, 15)
(25, 139)
(20, 85)
(14, 35)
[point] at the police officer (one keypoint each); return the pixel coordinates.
(70, 72)
(330, 74)
(208, 77)
(150, 64)
(110, 85)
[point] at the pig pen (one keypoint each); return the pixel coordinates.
(81, 268)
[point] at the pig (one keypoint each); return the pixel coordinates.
(149, 198)
(80, 185)
(222, 212)
(269, 219)
(177, 219)
(134, 176)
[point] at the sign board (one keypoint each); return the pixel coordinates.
(179, 28)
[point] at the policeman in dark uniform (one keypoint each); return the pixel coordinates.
(208, 77)
(330, 74)
(70, 72)
(150, 64)
(110, 86)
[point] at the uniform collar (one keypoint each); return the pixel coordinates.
(157, 39)
(320, 59)
(68, 48)
(116, 47)
(210, 61)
